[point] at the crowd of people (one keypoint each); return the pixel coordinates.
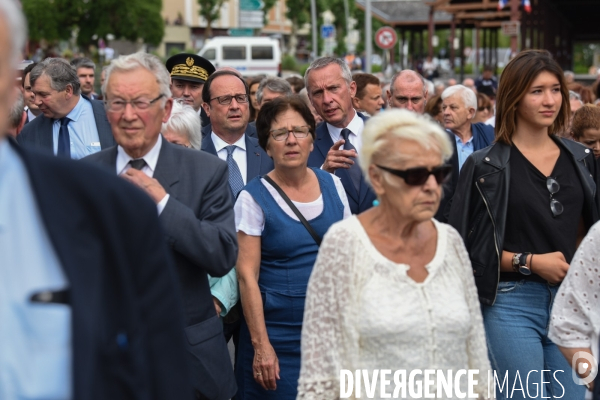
(316, 224)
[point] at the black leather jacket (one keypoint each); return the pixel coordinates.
(480, 203)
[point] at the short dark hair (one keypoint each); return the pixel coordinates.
(296, 83)
(26, 71)
(362, 80)
(206, 96)
(271, 110)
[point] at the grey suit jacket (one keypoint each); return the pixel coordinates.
(37, 134)
(198, 221)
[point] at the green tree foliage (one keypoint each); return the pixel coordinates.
(375, 24)
(55, 20)
(210, 10)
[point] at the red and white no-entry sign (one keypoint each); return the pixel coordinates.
(386, 38)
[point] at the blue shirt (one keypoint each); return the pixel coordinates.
(35, 338)
(83, 132)
(464, 150)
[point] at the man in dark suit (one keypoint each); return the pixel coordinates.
(193, 200)
(89, 305)
(32, 110)
(330, 89)
(226, 96)
(72, 125)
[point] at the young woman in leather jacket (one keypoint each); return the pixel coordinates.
(522, 205)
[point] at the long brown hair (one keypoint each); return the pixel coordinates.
(515, 81)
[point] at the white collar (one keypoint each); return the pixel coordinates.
(356, 126)
(220, 144)
(151, 157)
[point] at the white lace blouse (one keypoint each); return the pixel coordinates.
(364, 312)
(575, 318)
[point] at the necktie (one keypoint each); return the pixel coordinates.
(64, 141)
(137, 164)
(354, 171)
(236, 183)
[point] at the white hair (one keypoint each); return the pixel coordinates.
(141, 60)
(186, 122)
(468, 96)
(12, 18)
(393, 124)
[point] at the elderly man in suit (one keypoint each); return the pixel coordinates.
(89, 305)
(191, 192)
(330, 90)
(459, 106)
(72, 125)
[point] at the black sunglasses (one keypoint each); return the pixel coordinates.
(553, 187)
(418, 176)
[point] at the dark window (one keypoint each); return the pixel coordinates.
(234, 52)
(262, 52)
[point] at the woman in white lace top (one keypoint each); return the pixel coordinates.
(392, 289)
(575, 318)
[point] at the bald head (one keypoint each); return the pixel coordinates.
(470, 83)
(408, 90)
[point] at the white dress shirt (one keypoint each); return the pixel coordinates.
(35, 338)
(356, 126)
(151, 159)
(239, 154)
(30, 116)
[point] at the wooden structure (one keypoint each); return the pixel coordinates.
(553, 25)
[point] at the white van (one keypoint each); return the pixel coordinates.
(249, 55)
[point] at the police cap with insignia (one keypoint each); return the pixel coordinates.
(189, 67)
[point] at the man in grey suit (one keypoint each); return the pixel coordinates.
(72, 125)
(193, 200)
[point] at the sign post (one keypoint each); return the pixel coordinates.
(251, 14)
(386, 38)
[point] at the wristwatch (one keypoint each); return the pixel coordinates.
(519, 263)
